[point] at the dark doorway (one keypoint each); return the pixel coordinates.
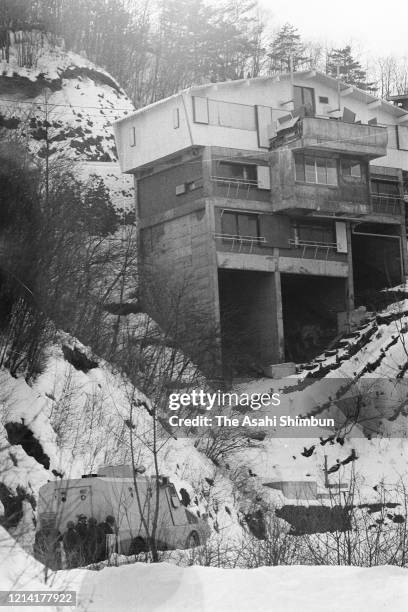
(310, 305)
(248, 320)
(376, 264)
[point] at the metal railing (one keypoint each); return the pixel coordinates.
(313, 248)
(238, 243)
(385, 204)
(235, 185)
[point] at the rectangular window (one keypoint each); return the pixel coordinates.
(317, 170)
(385, 188)
(243, 172)
(240, 224)
(303, 98)
(323, 99)
(176, 118)
(133, 136)
(315, 232)
(350, 168)
(402, 132)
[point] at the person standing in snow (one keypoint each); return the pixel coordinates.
(92, 541)
(71, 545)
(82, 529)
(107, 537)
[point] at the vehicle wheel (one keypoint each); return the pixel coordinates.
(137, 546)
(193, 539)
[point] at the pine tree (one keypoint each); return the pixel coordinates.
(287, 47)
(341, 62)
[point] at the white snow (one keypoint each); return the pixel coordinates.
(165, 587)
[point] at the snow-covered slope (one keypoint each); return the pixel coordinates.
(65, 100)
(365, 375)
(75, 418)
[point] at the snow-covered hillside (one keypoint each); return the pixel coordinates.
(68, 104)
(366, 372)
(75, 418)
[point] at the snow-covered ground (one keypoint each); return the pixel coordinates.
(369, 364)
(80, 421)
(169, 588)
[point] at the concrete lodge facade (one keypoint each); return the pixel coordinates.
(282, 199)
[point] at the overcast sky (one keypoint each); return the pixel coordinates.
(378, 28)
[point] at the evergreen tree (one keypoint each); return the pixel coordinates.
(341, 62)
(287, 47)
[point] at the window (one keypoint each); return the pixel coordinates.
(317, 170)
(189, 186)
(176, 118)
(385, 188)
(314, 232)
(239, 224)
(402, 134)
(133, 136)
(351, 168)
(241, 172)
(323, 99)
(303, 97)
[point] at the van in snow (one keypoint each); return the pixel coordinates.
(117, 492)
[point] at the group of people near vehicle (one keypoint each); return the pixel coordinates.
(80, 544)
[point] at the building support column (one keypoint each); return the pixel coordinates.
(279, 311)
(350, 276)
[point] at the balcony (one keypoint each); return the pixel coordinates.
(240, 244)
(332, 135)
(235, 187)
(384, 204)
(310, 249)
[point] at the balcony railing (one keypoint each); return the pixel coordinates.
(322, 134)
(241, 243)
(236, 186)
(312, 249)
(384, 204)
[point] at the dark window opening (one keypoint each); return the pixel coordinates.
(243, 172)
(315, 232)
(381, 187)
(323, 99)
(240, 224)
(304, 99)
(310, 305)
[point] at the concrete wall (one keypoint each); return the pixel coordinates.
(287, 193)
(179, 255)
(157, 193)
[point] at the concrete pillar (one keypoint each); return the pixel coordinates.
(350, 277)
(280, 332)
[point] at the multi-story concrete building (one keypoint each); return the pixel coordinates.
(282, 200)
